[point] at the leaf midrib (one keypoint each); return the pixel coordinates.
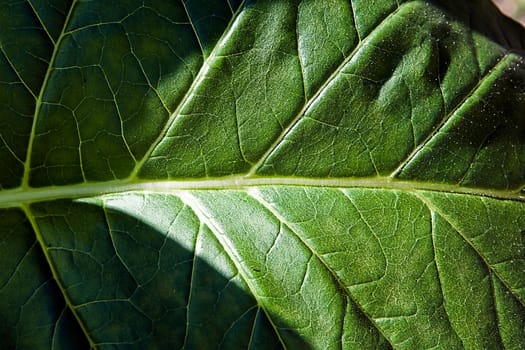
(23, 195)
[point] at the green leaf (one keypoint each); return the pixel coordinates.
(261, 174)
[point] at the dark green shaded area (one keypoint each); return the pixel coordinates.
(25, 50)
(480, 16)
(34, 314)
(51, 14)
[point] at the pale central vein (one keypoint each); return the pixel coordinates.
(21, 196)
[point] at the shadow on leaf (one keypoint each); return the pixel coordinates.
(142, 272)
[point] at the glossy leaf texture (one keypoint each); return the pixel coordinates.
(261, 174)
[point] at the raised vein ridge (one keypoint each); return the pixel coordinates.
(23, 195)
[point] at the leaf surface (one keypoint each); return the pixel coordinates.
(261, 174)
